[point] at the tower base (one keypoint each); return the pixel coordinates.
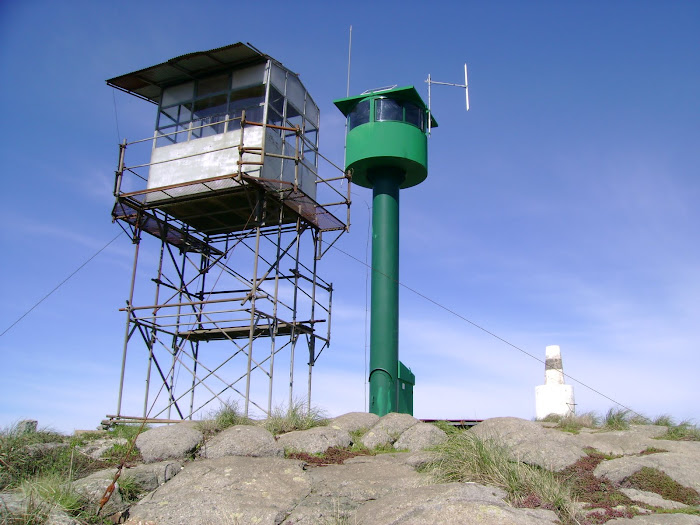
(554, 399)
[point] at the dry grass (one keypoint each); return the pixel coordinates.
(465, 457)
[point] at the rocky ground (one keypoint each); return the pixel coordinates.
(246, 475)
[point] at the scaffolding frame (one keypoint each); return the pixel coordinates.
(233, 293)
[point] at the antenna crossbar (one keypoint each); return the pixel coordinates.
(430, 82)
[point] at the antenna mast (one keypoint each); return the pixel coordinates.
(430, 81)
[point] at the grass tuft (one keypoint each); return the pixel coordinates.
(683, 431)
(617, 419)
(296, 417)
(465, 457)
(664, 420)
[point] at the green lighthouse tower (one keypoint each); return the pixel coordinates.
(387, 150)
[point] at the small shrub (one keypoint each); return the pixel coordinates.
(296, 417)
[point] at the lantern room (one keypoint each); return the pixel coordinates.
(387, 128)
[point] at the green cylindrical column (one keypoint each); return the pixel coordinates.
(386, 150)
(384, 330)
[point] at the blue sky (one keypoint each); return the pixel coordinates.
(562, 209)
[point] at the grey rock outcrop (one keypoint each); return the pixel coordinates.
(339, 490)
(632, 441)
(657, 519)
(152, 475)
(682, 468)
(168, 442)
(354, 421)
(530, 442)
(242, 440)
(97, 448)
(16, 504)
(651, 498)
(387, 430)
(93, 488)
(315, 440)
(450, 504)
(420, 437)
(235, 490)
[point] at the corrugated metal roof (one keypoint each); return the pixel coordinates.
(148, 83)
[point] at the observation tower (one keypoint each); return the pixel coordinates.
(387, 150)
(236, 217)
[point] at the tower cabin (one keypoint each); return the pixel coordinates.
(387, 130)
(228, 119)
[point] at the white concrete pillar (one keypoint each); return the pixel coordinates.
(554, 397)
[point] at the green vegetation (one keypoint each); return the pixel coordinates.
(32, 455)
(621, 419)
(297, 416)
(43, 464)
(683, 431)
(465, 457)
(129, 489)
(230, 415)
(617, 419)
(573, 423)
(653, 480)
(446, 427)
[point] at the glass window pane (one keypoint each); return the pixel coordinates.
(165, 141)
(414, 114)
(276, 100)
(249, 76)
(273, 117)
(294, 118)
(311, 112)
(176, 94)
(246, 97)
(167, 116)
(210, 85)
(295, 92)
(388, 109)
(278, 77)
(185, 113)
(254, 114)
(206, 107)
(311, 134)
(359, 115)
